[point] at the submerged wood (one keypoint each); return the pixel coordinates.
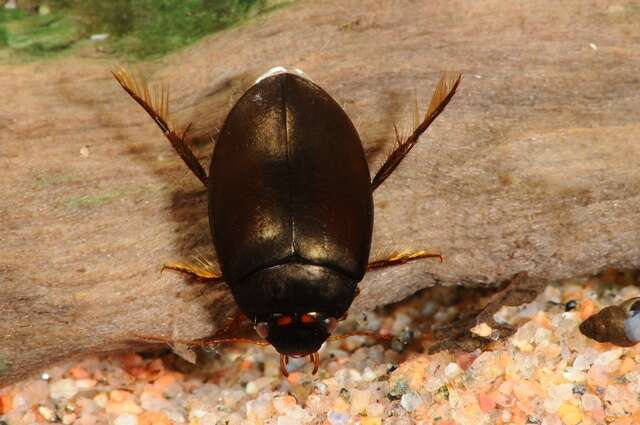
(533, 166)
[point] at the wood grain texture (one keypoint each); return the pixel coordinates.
(533, 166)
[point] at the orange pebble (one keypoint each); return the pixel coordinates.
(626, 366)
(294, 378)
(487, 402)
(155, 367)
(165, 380)
(153, 418)
(130, 360)
(139, 372)
(78, 372)
(5, 404)
(518, 416)
(587, 308)
(624, 421)
(288, 400)
(505, 359)
(39, 418)
(119, 395)
(542, 319)
(598, 414)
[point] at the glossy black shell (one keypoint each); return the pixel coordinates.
(290, 202)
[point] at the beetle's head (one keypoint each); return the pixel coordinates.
(296, 334)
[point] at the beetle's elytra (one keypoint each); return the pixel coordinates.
(290, 204)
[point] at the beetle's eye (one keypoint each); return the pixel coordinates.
(331, 323)
(284, 320)
(262, 329)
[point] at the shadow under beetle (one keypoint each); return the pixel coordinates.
(290, 204)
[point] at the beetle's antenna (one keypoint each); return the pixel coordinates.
(200, 342)
(284, 361)
(157, 106)
(443, 93)
(361, 333)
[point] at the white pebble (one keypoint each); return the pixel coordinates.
(607, 357)
(452, 371)
(369, 375)
(63, 389)
(359, 401)
(337, 418)
(410, 401)
(47, 413)
(99, 37)
(574, 375)
(69, 418)
(254, 387)
(85, 384)
(86, 420)
(126, 419)
(561, 392)
(258, 409)
(101, 400)
(482, 330)
(550, 405)
(541, 336)
(287, 420)
(581, 363)
(375, 410)
(590, 402)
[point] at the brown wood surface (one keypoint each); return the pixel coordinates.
(533, 166)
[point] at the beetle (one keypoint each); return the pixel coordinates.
(290, 201)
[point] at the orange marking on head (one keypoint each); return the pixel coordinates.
(284, 320)
(307, 318)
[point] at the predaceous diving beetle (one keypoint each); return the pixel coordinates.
(290, 204)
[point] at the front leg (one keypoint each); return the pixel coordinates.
(194, 270)
(204, 270)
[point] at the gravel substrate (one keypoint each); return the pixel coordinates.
(546, 373)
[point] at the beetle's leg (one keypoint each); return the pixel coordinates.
(233, 325)
(401, 258)
(443, 93)
(315, 359)
(204, 270)
(204, 342)
(157, 106)
(195, 270)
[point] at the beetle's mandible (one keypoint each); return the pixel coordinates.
(290, 204)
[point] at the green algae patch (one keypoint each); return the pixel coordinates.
(5, 364)
(147, 28)
(44, 181)
(87, 201)
(38, 35)
(136, 29)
